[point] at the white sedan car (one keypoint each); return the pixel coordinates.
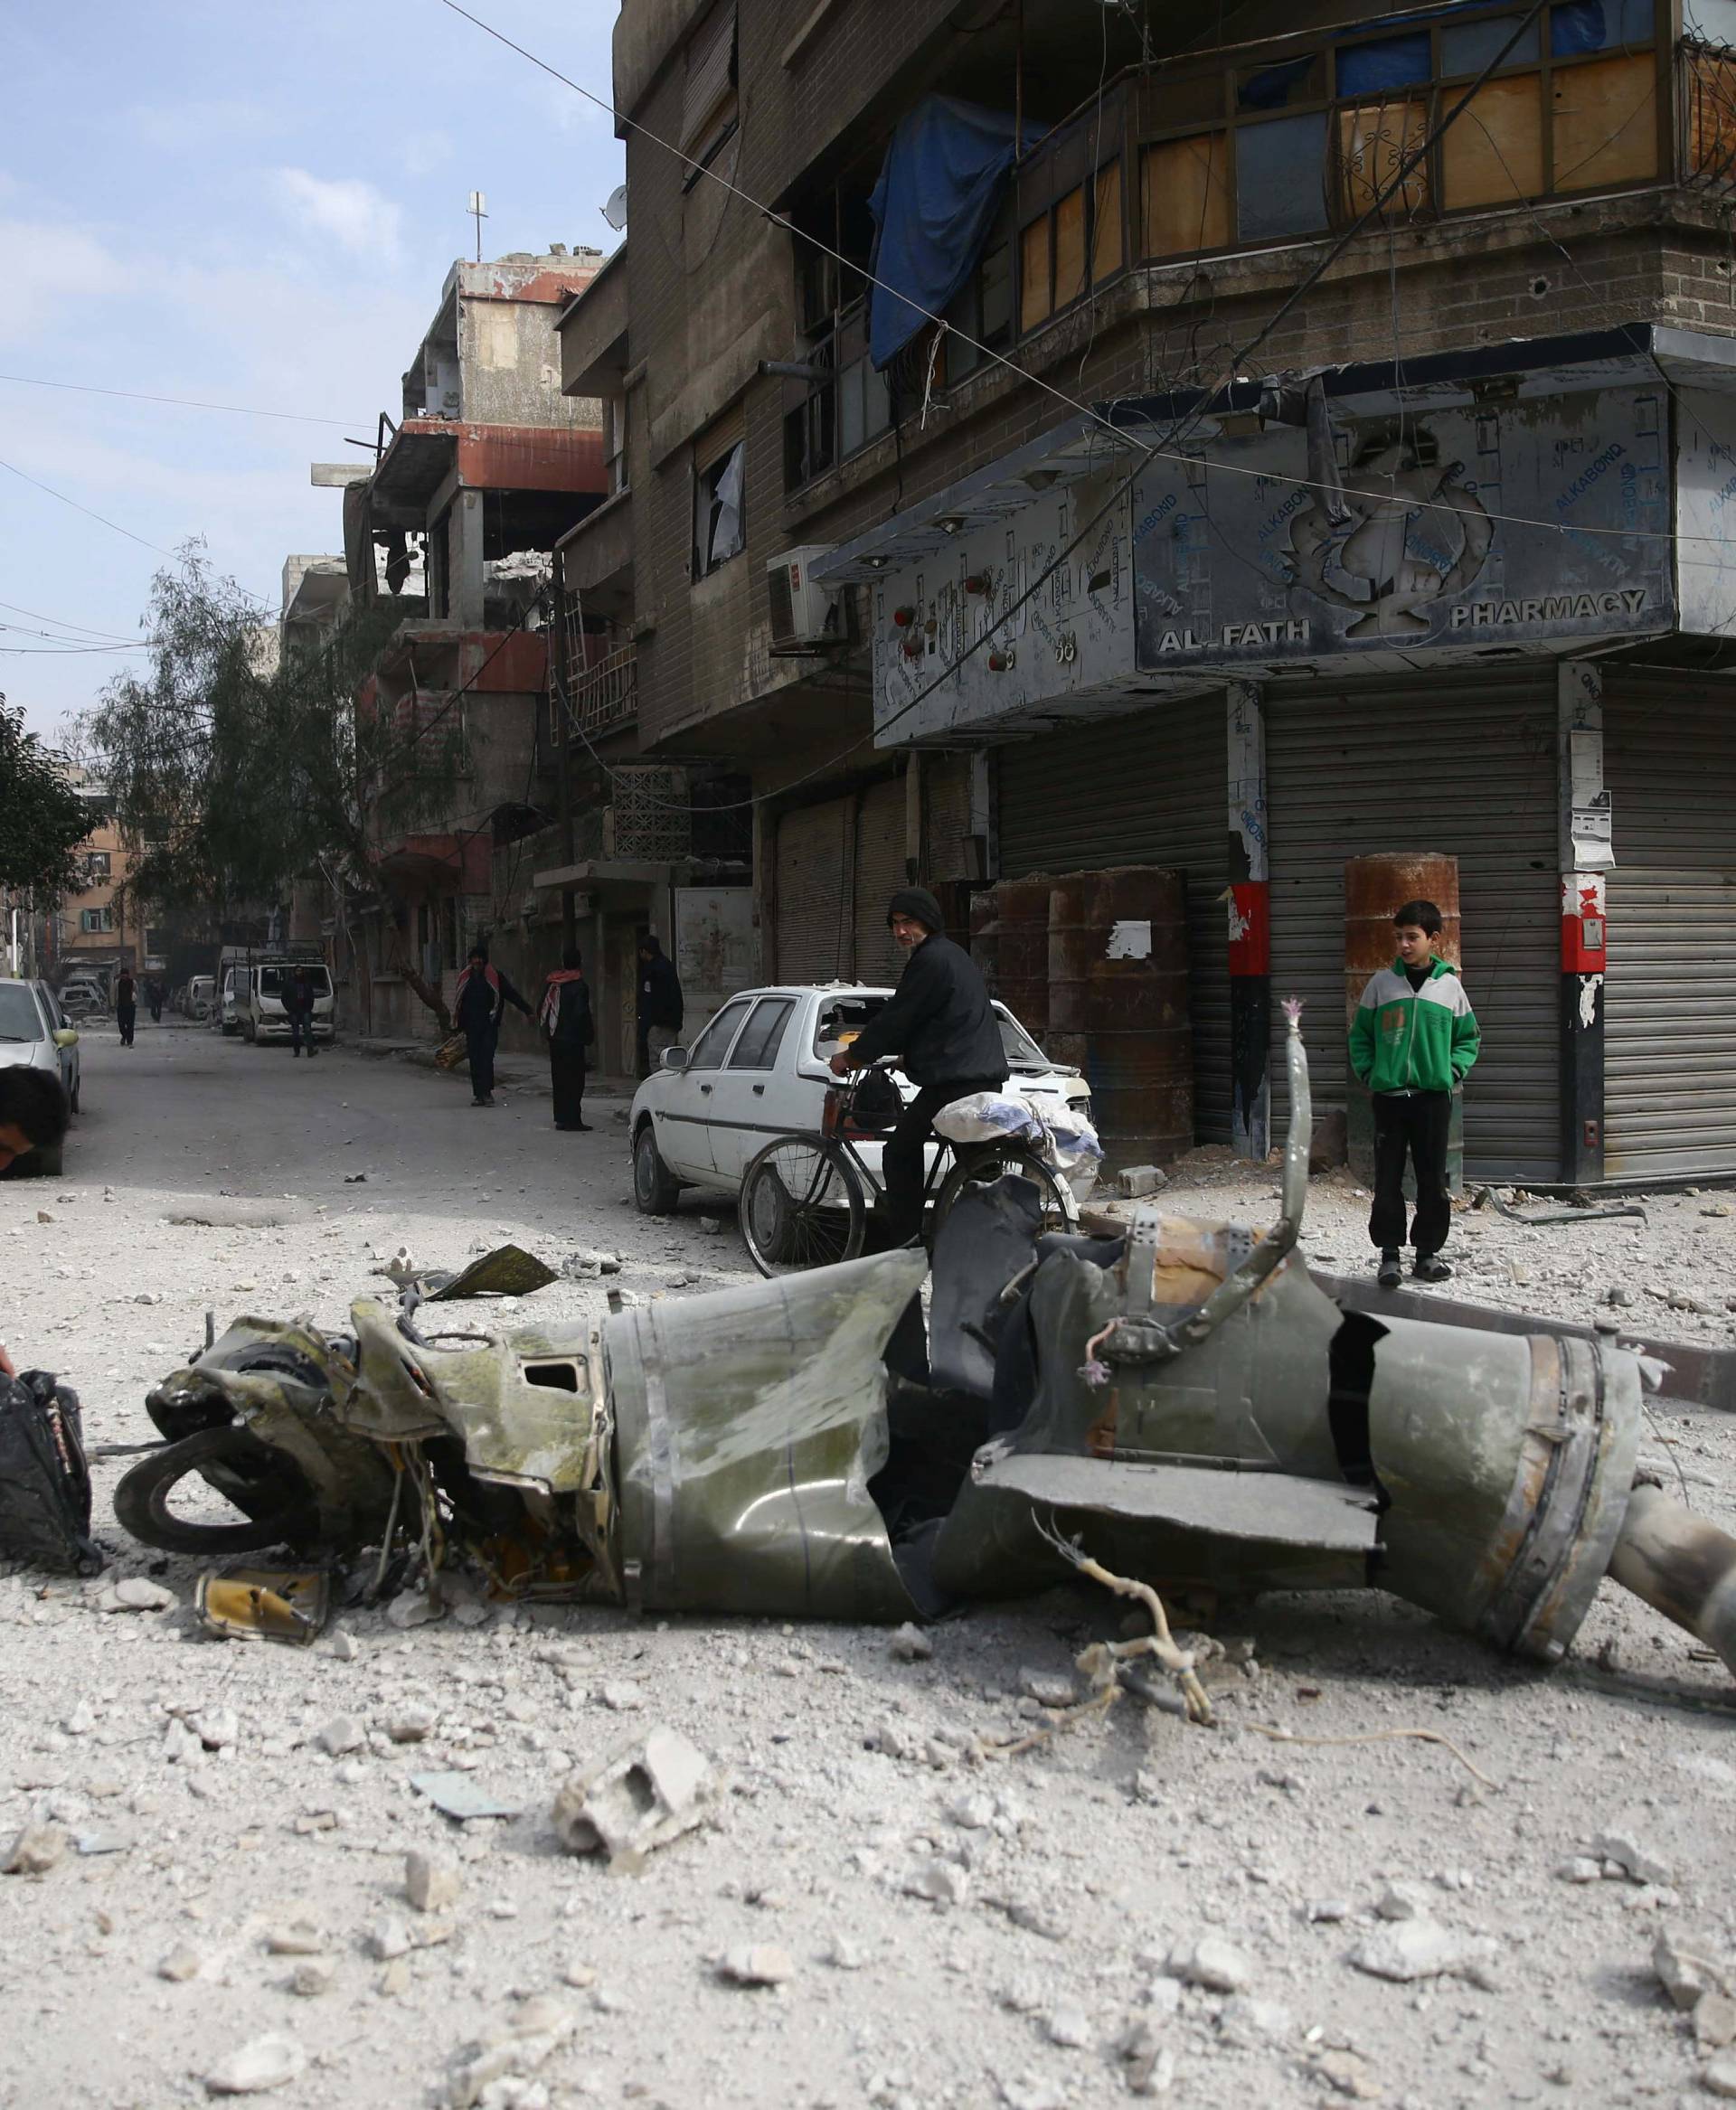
(35, 1032)
(758, 1069)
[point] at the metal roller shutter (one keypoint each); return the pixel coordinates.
(814, 937)
(1150, 789)
(880, 873)
(1460, 764)
(1670, 997)
(946, 817)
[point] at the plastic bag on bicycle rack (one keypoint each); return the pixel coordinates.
(990, 1117)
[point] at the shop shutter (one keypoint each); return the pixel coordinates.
(1456, 763)
(813, 910)
(879, 874)
(1670, 995)
(946, 818)
(1149, 788)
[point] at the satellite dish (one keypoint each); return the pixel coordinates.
(615, 212)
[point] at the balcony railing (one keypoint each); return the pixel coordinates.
(606, 695)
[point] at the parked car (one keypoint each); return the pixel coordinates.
(230, 999)
(263, 1017)
(758, 1069)
(33, 1031)
(202, 994)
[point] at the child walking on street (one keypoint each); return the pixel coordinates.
(1413, 1040)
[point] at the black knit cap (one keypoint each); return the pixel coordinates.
(917, 903)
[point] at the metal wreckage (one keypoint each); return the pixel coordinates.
(1180, 1407)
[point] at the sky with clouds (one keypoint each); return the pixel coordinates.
(249, 206)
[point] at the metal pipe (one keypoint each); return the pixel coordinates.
(1682, 1565)
(1235, 1290)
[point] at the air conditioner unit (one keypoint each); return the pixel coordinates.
(806, 616)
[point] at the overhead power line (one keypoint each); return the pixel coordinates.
(59, 623)
(80, 388)
(36, 482)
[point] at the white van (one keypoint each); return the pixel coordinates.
(262, 1015)
(230, 998)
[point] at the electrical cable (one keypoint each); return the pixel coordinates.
(180, 402)
(622, 121)
(59, 623)
(73, 502)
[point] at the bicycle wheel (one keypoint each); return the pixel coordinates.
(981, 1164)
(802, 1205)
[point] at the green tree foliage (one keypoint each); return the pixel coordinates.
(42, 819)
(240, 772)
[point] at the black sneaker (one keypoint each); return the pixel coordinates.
(1388, 1276)
(1431, 1267)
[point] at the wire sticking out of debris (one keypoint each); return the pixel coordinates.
(1487, 1197)
(1280, 1735)
(1102, 1661)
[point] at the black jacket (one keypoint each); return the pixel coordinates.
(479, 1009)
(572, 1030)
(299, 995)
(938, 1019)
(660, 1000)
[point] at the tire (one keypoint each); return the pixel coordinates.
(142, 1497)
(654, 1187)
(802, 1206)
(47, 1163)
(981, 1164)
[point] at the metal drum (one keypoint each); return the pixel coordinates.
(1022, 962)
(1118, 1006)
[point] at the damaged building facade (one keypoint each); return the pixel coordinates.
(451, 529)
(1228, 575)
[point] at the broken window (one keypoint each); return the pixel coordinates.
(1374, 141)
(1185, 203)
(843, 404)
(719, 530)
(1280, 177)
(1075, 242)
(1604, 124)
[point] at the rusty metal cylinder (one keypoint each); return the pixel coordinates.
(1022, 959)
(1118, 1006)
(1373, 888)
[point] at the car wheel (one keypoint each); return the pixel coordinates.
(44, 1163)
(654, 1188)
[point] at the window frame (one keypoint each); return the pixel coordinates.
(744, 1004)
(705, 492)
(1218, 115)
(786, 1005)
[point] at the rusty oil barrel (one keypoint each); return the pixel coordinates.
(985, 937)
(1022, 957)
(1118, 1006)
(1373, 888)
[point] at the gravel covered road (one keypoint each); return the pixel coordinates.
(1131, 1906)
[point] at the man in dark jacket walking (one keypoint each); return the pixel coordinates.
(660, 1004)
(484, 993)
(298, 1007)
(567, 1020)
(125, 1005)
(941, 1023)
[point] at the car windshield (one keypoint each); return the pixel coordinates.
(840, 1019)
(19, 1018)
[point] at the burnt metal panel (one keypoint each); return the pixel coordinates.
(1456, 764)
(1149, 788)
(1670, 994)
(1272, 1508)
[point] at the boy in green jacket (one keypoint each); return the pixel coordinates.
(1412, 1041)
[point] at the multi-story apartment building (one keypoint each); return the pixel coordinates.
(452, 528)
(1320, 451)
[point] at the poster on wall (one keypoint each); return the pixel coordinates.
(1474, 531)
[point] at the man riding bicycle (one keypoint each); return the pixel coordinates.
(940, 1025)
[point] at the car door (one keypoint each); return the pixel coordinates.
(744, 1114)
(59, 1023)
(683, 1117)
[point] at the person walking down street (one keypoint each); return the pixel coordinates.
(567, 1020)
(1412, 1042)
(298, 1008)
(126, 1006)
(153, 997)
(941, 1023)
(484, 993)
(660, 1004)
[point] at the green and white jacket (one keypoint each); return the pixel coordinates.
(1405, 1040)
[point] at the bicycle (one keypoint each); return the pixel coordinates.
(805, 1197)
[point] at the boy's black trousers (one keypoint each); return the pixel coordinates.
(1412, 1123)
